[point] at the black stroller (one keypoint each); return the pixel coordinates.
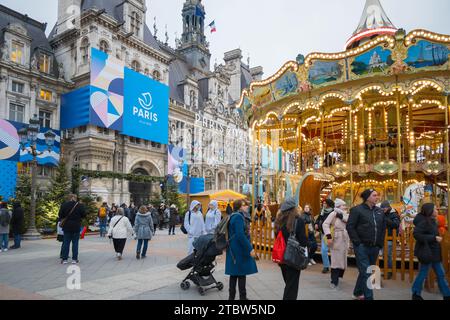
(202, 262)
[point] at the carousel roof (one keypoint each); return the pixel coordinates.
(374, 21)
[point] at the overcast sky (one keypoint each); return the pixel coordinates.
(272, 32)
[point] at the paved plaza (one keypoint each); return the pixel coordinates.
(34, 272)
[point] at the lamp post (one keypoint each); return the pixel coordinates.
(28, 136)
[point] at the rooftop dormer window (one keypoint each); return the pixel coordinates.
(44, 63)
(17, 52)
(135, 23)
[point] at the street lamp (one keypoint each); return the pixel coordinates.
(28, 136)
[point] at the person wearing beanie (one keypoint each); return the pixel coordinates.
(366, 228)
(392, 222)
(337, 242)
(288, 221)
(328, 207)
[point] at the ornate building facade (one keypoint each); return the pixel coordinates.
(202, 114)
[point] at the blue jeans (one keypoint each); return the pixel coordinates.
(103, 222)
(365, 257)
(390, 244)
(139, 246)
(17, 240)
(69, 237)
(4, 237)
(324, 250)
(423, 273)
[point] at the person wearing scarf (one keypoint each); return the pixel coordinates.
(337, 242)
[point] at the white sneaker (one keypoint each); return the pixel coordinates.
(65, 262)
(5, 250)
(312, 262)
(333, 286)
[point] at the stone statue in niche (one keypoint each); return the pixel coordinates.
(34, 63)
(61, 71)
(4, 54)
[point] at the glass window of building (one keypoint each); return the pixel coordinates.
(136, 66)
(44, 63)
(84, 51)
(46, 95)
(17, 52)
(156, 75)
(45, 119)
(135, 23)
(17, 87)
(16, 112)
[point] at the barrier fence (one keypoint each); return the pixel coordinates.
(404, 263)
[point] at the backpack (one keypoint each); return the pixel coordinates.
(279, 248)
(5, 217)
(102, 212)
(221, 238)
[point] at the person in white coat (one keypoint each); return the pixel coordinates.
(213, 217)
(119, 230)
(194, 224)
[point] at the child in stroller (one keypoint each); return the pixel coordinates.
(202, 262)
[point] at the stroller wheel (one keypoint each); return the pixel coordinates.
(220, 286)
(201, 291)
(185, 285)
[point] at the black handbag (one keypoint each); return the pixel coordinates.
(295, 255)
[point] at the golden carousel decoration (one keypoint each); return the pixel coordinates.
(375, 115)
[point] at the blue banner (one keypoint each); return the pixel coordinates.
(75, 108)
(146, 112)
(8, 172)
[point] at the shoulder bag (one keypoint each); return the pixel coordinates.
(295, 256)
(63, 221)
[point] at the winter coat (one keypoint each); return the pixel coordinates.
(212, 218)
(194, 224)
(17, 220)
(367, 226)
(229, 210)
(143, 226)
(155, 216)
(132, 216)
(120, 229)
(238, 259)
(425, 232)
(322, 217)
(73, 223)
(5, 229)
(173, 220)
(392, 222)
(341, 241)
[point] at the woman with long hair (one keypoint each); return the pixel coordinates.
(287, 218)
(143, 230)
(428, 251)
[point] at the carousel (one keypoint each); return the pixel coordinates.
(373, 116)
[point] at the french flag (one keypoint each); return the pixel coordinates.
(212, 25)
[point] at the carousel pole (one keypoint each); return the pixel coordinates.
(255, 187)
(447, 151)
(322, 142)
(300, 154)
(350, 139)
(399, 150)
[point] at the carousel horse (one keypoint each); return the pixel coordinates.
(411, 200)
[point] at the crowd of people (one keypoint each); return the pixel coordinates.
(337, 227)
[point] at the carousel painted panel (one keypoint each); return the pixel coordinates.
(262, 95)
(426, 54)
(325, 72)
(375, 61)
(286, 86)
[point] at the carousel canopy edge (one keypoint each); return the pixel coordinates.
(415, 52)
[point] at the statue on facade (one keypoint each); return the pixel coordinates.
(34, 63)
(4, 54)
(61, 71)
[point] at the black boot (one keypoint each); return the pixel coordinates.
(416, 297)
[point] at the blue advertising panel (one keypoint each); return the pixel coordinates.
(8, 172)
(10, 148)
(75, 110)
(146, 112)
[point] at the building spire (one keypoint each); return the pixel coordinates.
(374, 21)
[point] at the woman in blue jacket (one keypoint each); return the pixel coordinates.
(240, 260)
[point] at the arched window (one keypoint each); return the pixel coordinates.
(104, 46)
(135, 23)
(136, 66)
(84, 48)
(192, 99)
(156, 75)
(147, 72)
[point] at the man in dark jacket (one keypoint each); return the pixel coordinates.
(392, 223)
(70, 214)
(229, 209)
(366, 228)
(17, 224)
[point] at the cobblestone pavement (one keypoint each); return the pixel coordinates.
(34, 272)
